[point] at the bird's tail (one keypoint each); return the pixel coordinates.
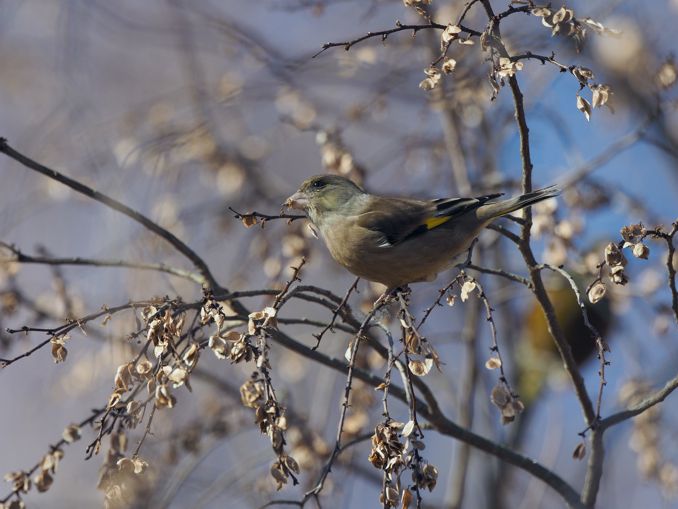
(493, 210)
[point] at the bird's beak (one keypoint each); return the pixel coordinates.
(298, 200)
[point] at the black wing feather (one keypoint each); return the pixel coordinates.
(456, 206)
(407, 220)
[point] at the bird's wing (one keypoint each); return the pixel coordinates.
(447, 208)
(397, 219)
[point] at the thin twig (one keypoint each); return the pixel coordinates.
(538, 285)
(501, 273)
(344, 406)
(147, 431)
(505, 232)
(594, 470)
(528, 55)
(383, 34)
(459, 469)
(295, 277)
(330, 326)
(406, 377)
(437, 303)
(21, 257)
(390, 361)
(670, 265)
(65, 329)
(256, 216)
(601, 345)
(57, 445)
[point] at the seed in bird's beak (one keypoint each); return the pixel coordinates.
(298, 200)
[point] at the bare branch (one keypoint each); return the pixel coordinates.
(600, 343)
(252, 218)
(344, 406)
(670, 262)
(21, 257)
(319, 336)
(65, 329)
(640, 407)
(501, 273)
(383, 34)
(180, 246)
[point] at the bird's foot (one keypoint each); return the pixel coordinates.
(392, 294)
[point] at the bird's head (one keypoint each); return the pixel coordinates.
(323, 193)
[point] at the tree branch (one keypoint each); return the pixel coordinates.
(21, 257)
(180, 246)
(383, 34)
(639, 408)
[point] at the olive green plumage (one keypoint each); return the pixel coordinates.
(397, 241)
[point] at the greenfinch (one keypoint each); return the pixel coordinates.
(397, 241)
(537, 356)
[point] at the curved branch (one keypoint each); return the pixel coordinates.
(601, 346)
(179, 245)
(65, 329)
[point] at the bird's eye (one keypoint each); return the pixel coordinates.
(318, 184)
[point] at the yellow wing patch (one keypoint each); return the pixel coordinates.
(432, 222)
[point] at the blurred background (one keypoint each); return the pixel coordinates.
(180, 109)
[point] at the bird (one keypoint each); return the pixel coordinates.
(537, 358)
(396, 241)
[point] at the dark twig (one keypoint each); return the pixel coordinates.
(383, 34)
(526, 250)
(147, 431)
(494, 348)
(594, 470)
(501, 273)
(344, 406)
(21, 257)
(656, 233)
(505, 232)
(525, 9)
(65, 329)
(543, 59)
(405, 373)
(637, 409)
(330, 326)
(390, 361)
(466, 392)
(437, 303)
(406, 377)
(180, 246)
(465, 11)
(251, 218)
(670, 265)
(601, 345)
(295, 277)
